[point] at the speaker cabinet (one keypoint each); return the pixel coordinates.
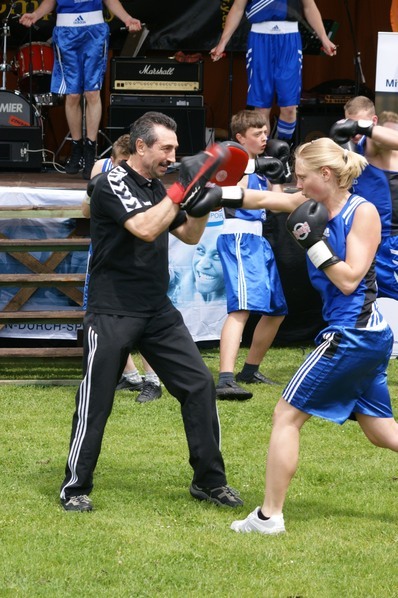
(20, 148)
(315, 120)
(191, 125)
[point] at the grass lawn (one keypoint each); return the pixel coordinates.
(148, 538)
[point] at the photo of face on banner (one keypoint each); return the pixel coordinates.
(197, 283)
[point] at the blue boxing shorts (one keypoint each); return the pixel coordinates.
(274, 64)
(80, 58)
(251, 276)
(387, 268)
(344, 375)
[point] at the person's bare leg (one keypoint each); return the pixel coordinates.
(93, 114)
(381, 431)
(263, 337)
(282, 458)
(73, 113)
(266, 112)
(231, 336)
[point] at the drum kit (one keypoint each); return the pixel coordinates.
(33, 65)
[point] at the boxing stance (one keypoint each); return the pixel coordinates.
(345, 375)
(131, 217)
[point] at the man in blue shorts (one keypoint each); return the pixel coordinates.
(80, 40)
(274, 54)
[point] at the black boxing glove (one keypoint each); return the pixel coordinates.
(306, 225)
(277, 148)
(272, 168)
(91, 186)
(215, 198)
(195, 172)
(343, 130)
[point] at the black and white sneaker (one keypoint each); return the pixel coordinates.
(77, 503)
(223, 496)
(89, 153)
(150, 392)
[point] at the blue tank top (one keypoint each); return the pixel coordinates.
(258, 11)
(255, 181)
(78, 6)
(380, 187)
(357, 310)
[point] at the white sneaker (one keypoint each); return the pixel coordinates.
(252, 523)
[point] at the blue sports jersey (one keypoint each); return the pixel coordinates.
(255, 181)
(358, 309)
(78, 6)
(380, 187)
(258, 11)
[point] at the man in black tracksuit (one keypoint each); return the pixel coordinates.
(128, 308)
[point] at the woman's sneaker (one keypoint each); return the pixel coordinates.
(253, 523)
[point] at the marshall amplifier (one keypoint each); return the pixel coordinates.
(156, 101)
(163, 75)
(191, 123)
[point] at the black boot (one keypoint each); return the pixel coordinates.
(75, 162)
(89, 152)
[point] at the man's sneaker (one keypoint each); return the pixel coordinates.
(252, 523)
(89, 152)
(223, 496)
(150, 392)
(230, 391)
(77, 503)
(256, 378)
(126, 384)
(75, 162)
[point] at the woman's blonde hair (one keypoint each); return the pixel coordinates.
(345, 164)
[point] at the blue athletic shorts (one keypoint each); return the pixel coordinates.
(251, 276)
(387, 268)
(80, 58)
(344, 375)
(274, 64)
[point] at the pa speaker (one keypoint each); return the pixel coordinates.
(315, 120)
(191, 125)
(20, 148)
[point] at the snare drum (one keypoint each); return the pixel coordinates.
(36, 59)
(15, 110)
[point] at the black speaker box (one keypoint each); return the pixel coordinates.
(20, 148)
(315, 120)
(191, 125)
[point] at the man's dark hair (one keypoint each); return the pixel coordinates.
(144, 128)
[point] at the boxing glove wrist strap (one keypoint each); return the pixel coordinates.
(321, 255)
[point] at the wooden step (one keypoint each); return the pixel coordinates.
(41, 280)
(32, 245)
(13, 352)
(42, 211)
(55, 317)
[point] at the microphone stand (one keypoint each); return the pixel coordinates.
(359, 76)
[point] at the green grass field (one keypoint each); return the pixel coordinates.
(148, 538)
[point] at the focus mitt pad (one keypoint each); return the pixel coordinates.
(234, 167)
(195, 173)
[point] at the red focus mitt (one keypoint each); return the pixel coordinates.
(233, 169)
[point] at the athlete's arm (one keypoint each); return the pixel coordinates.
(231, 24)
(362, 242)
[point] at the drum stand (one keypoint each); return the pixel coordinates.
(4, 67)
(84, 131)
